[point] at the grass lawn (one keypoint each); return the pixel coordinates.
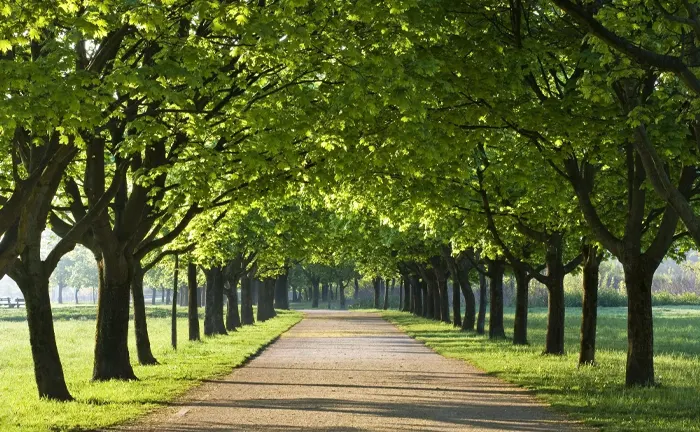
(102, 404)
(595, 395)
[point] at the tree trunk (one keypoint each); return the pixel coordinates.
(60, 293)
(214, 309)
(356, 294)
(481, 319)
(255, 292)
(401, 282)
(266, 298)
(456, 304)
(522, 282)
(377, 291)
(111, 341)
(341, 294)
(173, 311)
(48, 370)
(233, 319)
(556, 310)
(496, 270)
(192, 310)
(324, 292)
(640, 325)
(314, 292)
(386, 294)
(167, 296)
(406, 286)
(427, 301)
(153, 296)
(76, 296)
(247, 317)
(282, 291)
(143, 342)
(162, 296)
(462, 279)
(589, 315)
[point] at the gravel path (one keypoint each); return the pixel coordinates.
(341, 371)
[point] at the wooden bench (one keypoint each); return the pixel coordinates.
(12, 303)
(7, 302)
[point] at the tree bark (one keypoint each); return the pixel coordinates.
(247, 317)
(377, 291)
(111, 341)
(456, 304)
(266, 299)
(192, 306)
(324, 292)
(496, 271)
(34, 284)
(282, 290)
(386, 294)
(640, 325)
(341, 294)
(214, 309)
(406, 286)
(60, 293)
(427, 301)
(556, 311)
(463, 266)
(522, 282)
(481, 319)
(153, 296)
(173, 312)
(143, 342)
(356, 294)
(315, 294)
(589, 318)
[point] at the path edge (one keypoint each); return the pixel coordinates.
(580, 424)
(135, 421)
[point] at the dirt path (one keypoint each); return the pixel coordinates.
(340, 371)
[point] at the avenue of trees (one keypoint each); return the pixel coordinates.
(414, 140)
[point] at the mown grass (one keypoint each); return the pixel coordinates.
(595, 395)
(103, 404)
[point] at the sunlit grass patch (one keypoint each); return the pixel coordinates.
(106, 403)
(595, 395)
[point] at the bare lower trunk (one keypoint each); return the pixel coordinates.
(341, 294)
(589, 313)
(247, 317)
(640, 325)
(386, 294)
(427, 301)
(496, 270)
(111, 341)
(456, 304)
(522, 282)
(214, 309)
(266, 293)
(192, 309)
(315, 292)
(377, 284)
(48, 371)
(481, 319)
(407, 295)
(282, 291)
(143, 342)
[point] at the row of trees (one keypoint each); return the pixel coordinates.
(422, 138)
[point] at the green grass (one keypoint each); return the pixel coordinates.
(594, 395)
(103, 404)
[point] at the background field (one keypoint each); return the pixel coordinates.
(595, 395)
(106, 403)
